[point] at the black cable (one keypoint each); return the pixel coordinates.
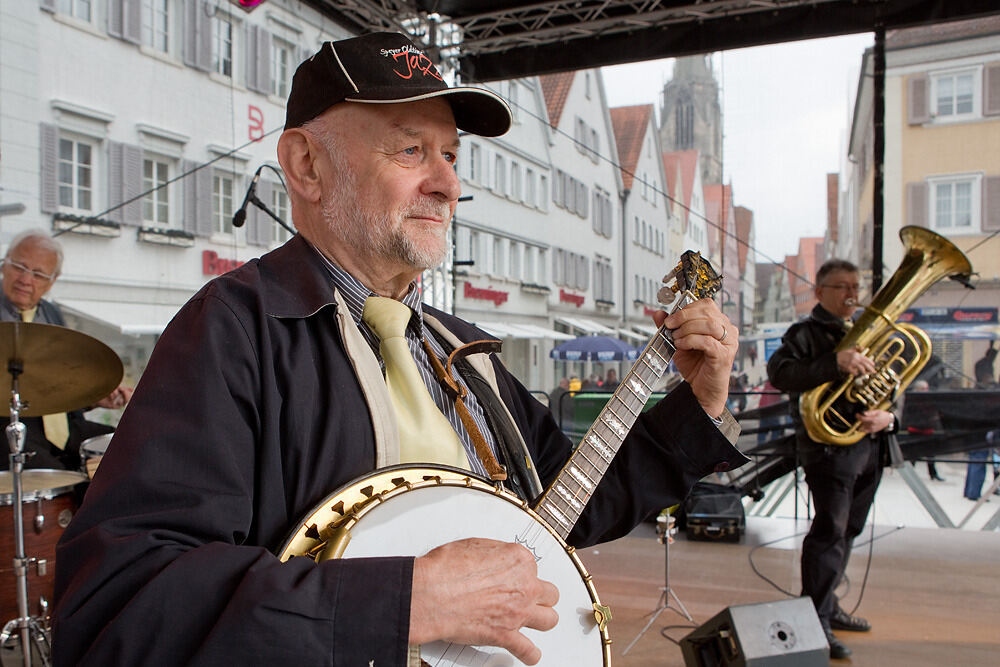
(761, 574)
(663, 631)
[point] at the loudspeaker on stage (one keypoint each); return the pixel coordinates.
(765, 634)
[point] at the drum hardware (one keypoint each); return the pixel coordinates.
(68, 371)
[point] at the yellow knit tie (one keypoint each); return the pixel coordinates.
(56, 426)
(425, 434)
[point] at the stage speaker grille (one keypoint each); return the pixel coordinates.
(766, 634)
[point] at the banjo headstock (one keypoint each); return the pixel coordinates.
(693, 276)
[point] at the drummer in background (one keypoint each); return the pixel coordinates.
(30, 268)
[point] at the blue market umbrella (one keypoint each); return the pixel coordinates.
(594, 348)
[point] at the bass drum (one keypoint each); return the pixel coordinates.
(48, 505)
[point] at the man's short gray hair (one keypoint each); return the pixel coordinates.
(41, 238)
(832, 265)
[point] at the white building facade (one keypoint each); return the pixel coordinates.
(130, 129)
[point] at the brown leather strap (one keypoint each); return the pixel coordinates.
(457, 392)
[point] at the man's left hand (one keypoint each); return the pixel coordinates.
(119, 398)
(873, 421)
(706, 343)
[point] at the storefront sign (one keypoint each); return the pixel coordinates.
(566, 297)
(213, 265)
(947, 315)
(485, 294)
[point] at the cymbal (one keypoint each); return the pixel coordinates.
(61, 369)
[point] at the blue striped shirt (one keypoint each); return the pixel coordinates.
(354, 294)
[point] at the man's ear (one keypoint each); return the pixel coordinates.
(298, 155)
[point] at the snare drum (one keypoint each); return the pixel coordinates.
(47, 505)
(92, 451)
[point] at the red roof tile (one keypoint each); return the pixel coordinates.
(555, 89)
(630, 129)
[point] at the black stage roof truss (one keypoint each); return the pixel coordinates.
(499, 39)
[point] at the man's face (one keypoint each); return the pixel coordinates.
(395, 186)
(20, 286)
(838, 293)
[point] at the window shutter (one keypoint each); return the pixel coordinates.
(918, 92)
(116, 168)
(190, 195)
(49, 162)
(132, 21)
(131, 181)
(991, 203)
(116, 16)
(258, 59)
(916, 201)
(197, 36)
(259, 223)
(203, 202)
(991, 89)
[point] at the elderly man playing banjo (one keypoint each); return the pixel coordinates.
(281, 382)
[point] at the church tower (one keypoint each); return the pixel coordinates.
(690, 115)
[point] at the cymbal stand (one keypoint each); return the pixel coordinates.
(664, 531)
(27, 626)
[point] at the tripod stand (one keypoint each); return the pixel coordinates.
(664, 532)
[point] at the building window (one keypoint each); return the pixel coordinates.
(515, 181)
(543, 192)
(497, 256)
(222, 203)
(475, 155)
(955, 204)
(515, 261)
(222, 46)
(80, 9)
(279, 204)
(76, 170)
(603, 222)
(156, 24)
(684, 126)
(955, 93)
(156, 203)
(280, 68)
(529, 264)
(474, 253)
(499, 173)
(529, 187)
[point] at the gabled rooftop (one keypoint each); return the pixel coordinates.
(630, 125)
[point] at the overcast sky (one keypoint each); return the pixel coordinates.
(786, 114)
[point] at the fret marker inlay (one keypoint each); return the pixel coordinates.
(616, 426)
(568, 497)
(580, 477)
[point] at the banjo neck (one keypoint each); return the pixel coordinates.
(563, 502)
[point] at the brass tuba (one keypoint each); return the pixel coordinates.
(897, 349)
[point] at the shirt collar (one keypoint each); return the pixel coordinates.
(355, 292)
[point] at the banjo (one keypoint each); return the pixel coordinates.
(408, 510)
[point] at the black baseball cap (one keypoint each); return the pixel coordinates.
(386, 68)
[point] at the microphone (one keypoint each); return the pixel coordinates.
(240, 216)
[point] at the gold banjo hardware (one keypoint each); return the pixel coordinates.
(327, 530)
(898, 350)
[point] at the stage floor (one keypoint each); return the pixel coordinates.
(933, 594)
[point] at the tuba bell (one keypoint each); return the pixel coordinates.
(897, 349)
